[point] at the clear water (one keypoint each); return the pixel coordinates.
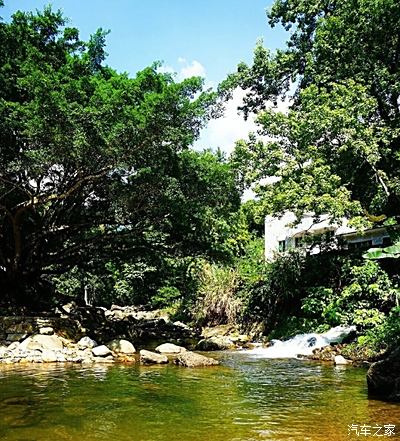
(244, 399)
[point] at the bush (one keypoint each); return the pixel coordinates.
(217, 302)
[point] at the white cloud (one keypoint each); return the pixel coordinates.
(193, 69)
(186, 69)
(225, 131)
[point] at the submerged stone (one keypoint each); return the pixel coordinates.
(191, 359)
(148, 357)
(170, 348)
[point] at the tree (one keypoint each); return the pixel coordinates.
(336, 150)
(82, 149)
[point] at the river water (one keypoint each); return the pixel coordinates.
(246, 398)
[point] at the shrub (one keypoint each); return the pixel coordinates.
(217, 302)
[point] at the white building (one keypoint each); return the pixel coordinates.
(284, 233)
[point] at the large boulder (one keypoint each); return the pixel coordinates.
(101, 351)
(124, 347)
(383, 377)
(148, 357)
(340, 360)
(217, 343)
(191, 359)
(170, 348)
(51, 342)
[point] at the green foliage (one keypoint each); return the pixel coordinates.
(383, 337)
(95, 167)
(391, 252)
(166, 296)
(336, 150)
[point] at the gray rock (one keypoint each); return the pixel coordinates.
(101, 351)
(169, 348)
(191, 359)
(30, 344)
(86, 342)
(148, 357)
(52, 342)
(340, 360)
(122, 347)
(383, 377)
(13, 346)
(48, 330)
(49, 356)
(16, 337)
(214, 344)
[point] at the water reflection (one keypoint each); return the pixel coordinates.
(244, 399)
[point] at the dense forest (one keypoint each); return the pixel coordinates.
(102, 193)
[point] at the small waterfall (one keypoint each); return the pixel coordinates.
(302, 344)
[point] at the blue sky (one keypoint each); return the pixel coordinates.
(192, 37)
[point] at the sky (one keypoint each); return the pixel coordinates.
(191, 37)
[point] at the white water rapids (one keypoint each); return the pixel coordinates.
(302, 344)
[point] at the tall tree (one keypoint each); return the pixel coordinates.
(337, 149)
(80, 148)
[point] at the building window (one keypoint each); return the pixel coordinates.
(361, 245)
(282, 246)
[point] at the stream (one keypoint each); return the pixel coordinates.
(246, 398)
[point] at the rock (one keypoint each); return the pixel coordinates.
(218, 331)
(48, 330)
(49, 356)
(340, 360)
(86, 342)
(108, 359)
(147, 357)
(169, 348)
(191, 359)
(214, 344)
(101, 351)
(383, 377)
(122, 347)
(69, 307)
(13, 346)
(16, 337)
(30, 345)
(52, 342)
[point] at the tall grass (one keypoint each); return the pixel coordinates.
(217, 302)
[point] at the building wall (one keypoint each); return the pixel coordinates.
(283, 229)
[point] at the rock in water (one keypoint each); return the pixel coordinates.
(148, 357)
(122, 347)
(191, 359)
(101, 351)
(340, 360)
(86, 343)
(169, 348)
(383, 377)
(218, 343)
